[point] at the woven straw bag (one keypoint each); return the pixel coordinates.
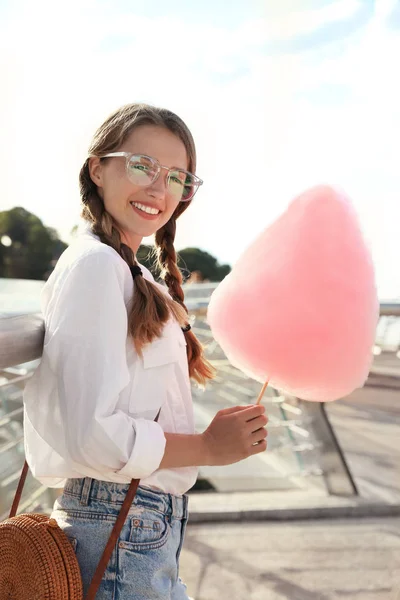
(37, 560)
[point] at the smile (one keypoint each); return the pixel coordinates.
(146, 212)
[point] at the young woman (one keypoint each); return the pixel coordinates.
(117, 349)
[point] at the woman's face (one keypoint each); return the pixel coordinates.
(118, 192)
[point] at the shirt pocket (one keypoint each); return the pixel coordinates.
(155, 379)
(164, 351)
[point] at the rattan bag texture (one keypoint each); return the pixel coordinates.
(37, 560)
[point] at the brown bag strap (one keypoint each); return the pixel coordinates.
(108, 550)
(103, 562)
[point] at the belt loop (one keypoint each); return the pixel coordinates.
(174, 506)
(85, 493)
(178, 507)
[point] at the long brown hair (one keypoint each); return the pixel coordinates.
(151, 307)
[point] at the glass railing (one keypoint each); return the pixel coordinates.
(35, 497)
(298, 435)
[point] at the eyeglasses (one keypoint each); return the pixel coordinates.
(143, 170)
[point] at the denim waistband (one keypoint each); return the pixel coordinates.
(90, 491)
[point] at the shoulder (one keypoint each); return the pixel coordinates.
(88, 256)
(88, 253)
(87, 244)
(87, 264)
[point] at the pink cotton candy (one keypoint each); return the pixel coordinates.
(300, 306)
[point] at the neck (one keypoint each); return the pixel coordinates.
(132, 240)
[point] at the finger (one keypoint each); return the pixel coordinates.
(255, 412)
(261, 416)
(256, 424)
(233, 409)
(259, 434)
(260, 447)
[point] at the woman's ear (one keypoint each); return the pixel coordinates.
(96, 171)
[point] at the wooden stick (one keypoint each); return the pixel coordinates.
(262, 391)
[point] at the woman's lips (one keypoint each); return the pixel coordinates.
(144, 214)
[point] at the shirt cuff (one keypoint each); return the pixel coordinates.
(148, 450)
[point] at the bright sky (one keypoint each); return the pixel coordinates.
(304, 90)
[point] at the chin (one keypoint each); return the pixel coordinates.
(141, 232)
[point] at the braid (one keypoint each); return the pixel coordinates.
(167, 258)
(103, 226)
(199, 368)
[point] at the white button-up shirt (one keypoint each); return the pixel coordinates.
(90, 406)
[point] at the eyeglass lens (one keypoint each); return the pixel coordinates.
(143, 171)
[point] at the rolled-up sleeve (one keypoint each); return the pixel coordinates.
(85, 344)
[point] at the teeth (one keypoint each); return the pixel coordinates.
(147, 209)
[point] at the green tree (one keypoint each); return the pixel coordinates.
(189, 260)
(34, 247)
(194, 259)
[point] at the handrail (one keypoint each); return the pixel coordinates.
(390, 309)
(21, 338)
(22, 335)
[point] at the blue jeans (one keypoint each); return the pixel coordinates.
(145, 562)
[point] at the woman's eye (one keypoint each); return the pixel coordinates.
(176, 180)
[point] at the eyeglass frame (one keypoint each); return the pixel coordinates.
(128, 156)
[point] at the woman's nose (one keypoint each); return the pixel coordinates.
(159, 187)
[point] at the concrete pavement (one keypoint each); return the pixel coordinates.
(354, 559)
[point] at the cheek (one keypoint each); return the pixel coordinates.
(168, 212)
(167, 215)
(118, 190)
(171, 207)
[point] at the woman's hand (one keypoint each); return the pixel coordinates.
(236, 433)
